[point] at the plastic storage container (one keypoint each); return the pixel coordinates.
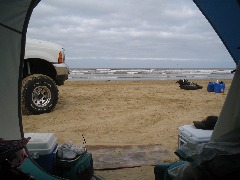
(189, 133)
(219, 87)
(210, 87)
(41, 148)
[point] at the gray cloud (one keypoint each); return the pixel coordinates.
(127, 32)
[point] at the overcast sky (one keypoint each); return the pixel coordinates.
(130, 33)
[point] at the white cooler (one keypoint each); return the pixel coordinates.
(189, 133)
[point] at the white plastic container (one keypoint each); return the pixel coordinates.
(41, 148)
(189, 133)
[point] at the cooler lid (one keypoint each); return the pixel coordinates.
(41, 141)
(190, 131)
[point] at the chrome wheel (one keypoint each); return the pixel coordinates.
(41, 96)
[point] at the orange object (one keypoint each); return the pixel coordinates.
(60, 58)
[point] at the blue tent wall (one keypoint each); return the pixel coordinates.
(224, 16)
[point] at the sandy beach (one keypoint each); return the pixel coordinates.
(126, 113)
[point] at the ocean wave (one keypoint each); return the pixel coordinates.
(149, 73)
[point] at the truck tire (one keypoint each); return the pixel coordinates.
(39, 94)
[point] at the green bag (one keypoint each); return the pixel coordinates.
(80, 168)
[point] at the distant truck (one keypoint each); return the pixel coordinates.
(44, 69)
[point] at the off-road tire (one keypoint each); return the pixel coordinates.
(39, 94)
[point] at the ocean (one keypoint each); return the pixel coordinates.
(106, 74)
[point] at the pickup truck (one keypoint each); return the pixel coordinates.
(44, 69)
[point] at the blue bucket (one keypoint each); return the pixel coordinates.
(210, 87)
(219, 88)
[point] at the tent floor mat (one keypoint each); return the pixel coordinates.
(126, 156)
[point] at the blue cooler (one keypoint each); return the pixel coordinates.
(210, 87)
(219, 87)
(41, 148)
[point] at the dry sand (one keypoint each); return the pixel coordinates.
(124, 113)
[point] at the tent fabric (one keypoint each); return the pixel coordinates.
(229, 118)
(14, 18)
(224, 16)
